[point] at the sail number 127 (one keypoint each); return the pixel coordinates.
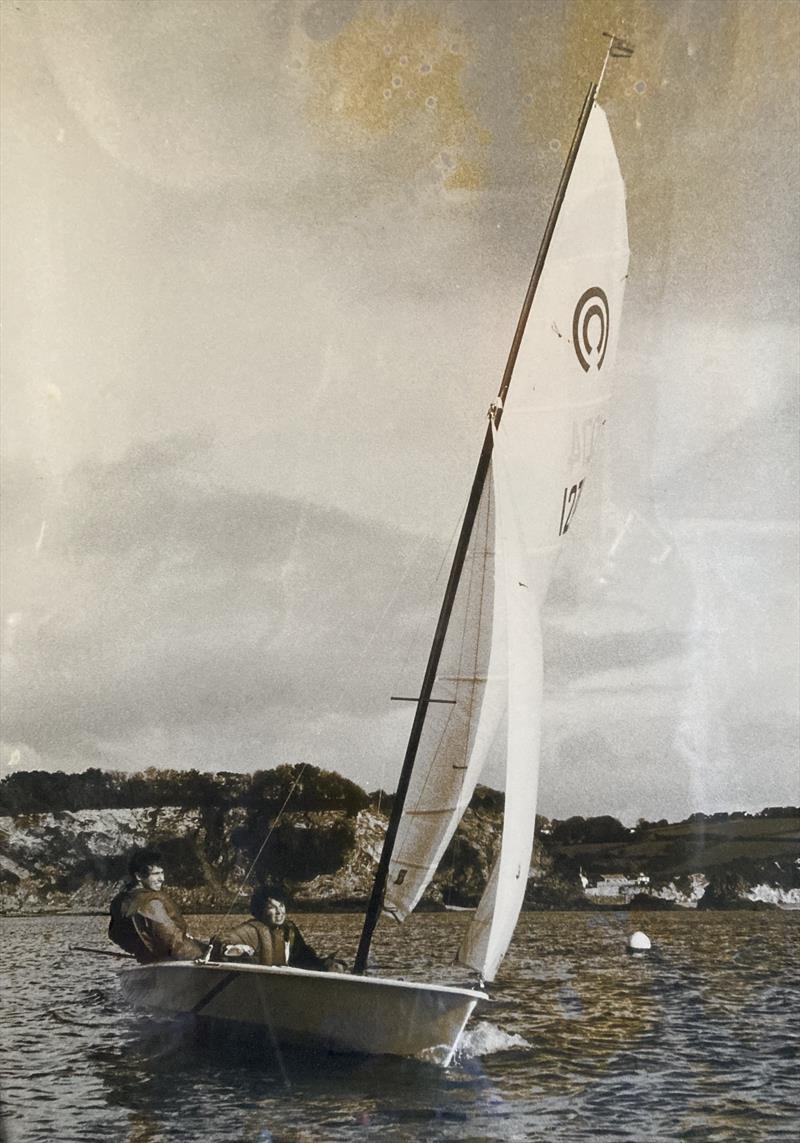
(568, 505)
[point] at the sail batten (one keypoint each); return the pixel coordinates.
(560, 407)
(436, 812)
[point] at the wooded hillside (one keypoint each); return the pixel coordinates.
(65, 840)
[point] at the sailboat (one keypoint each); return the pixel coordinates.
(481, 695)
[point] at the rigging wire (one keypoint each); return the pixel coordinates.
(263, 846)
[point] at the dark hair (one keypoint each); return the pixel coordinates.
(142, 861)
(264, 893)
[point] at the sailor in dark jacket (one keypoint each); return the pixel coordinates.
(268, 937)
(145, 921)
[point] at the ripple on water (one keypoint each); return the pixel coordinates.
(580, 1043)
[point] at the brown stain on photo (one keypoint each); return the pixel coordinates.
(399, 73)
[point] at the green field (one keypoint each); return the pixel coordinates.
(753, 847)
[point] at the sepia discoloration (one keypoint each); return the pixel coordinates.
(398, 71)
(276, 303)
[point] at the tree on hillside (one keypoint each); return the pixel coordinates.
(589, 831)
(39, 792)
(569, 832)
(725, 888)
(307, 788)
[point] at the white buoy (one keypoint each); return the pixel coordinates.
(638, 942)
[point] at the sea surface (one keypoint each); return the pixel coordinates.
(698, 1040)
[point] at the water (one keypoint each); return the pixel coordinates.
(698, 1042)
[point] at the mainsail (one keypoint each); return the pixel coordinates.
(553, 416)
(482, 693)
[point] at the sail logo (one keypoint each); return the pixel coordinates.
(590, 328)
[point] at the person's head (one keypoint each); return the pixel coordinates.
(267, 904)
(146, 869)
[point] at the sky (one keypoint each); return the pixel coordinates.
(262, 263)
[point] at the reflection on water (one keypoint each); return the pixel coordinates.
(696, 1041)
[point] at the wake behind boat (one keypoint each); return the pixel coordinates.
(481, 695)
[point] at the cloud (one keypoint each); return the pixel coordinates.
(173, 607)
(167, 620)
(227, 245)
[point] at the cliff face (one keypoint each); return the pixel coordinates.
(75, 860)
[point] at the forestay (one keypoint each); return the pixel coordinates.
(491, 666)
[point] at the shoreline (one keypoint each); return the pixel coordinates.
(736, 907)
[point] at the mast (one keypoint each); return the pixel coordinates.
(429, 678)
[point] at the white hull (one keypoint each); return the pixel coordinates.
(333, 1011)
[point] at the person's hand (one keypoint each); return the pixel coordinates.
(239, 950)
(333, 965)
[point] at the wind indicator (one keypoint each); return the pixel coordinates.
(617, 50)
